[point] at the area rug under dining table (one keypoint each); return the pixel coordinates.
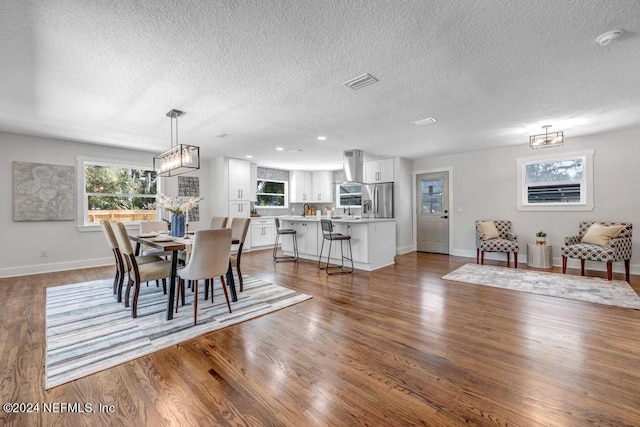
(581, 288)
(87, 330)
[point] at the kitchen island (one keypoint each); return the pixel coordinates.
(373, 240)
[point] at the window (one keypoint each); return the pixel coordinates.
(554, 183)
(349, 195)
(271, 194)
(117, 193)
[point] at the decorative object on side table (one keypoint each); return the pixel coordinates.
(177, 207)
(541, 238)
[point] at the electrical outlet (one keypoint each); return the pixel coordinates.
(44, 253)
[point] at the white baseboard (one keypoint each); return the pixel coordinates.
(404, 249)
(50, 268)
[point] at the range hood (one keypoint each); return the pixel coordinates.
(353, 165)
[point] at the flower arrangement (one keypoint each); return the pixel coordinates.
(176, 205)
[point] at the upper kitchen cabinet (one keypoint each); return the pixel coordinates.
(300, 187)
(240, 187)
(378, 171)
(322, 186)
(232, 187)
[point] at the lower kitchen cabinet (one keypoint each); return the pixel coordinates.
(306, 234)
(263, 232)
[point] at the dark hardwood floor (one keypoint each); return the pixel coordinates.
(395, 347)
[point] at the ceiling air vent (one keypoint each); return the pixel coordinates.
(426, 121)
(360, 82)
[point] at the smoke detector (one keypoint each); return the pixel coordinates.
(606, 38)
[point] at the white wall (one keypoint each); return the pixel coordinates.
(67, 247)
(484, 187)
(403, 200)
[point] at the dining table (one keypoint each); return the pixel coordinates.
(174, 245)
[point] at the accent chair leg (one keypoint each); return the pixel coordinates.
(626, 269)
(582, 267)
(609, 270)
(515, 260)
(482, 257)
(564, 265)
(477, 255)
(508, 259)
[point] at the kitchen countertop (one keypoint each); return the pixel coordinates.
(315, 218)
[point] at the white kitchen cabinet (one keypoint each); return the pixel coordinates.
(359, 246)
(322, 186)
(263, 232)
(378, 171)
(239, 180)
(307, 236)
(253, 183)
(300, 187)
(238, 208)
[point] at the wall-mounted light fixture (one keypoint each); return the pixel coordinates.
(546, 139)
(180, 158)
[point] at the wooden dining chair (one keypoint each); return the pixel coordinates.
(209, 258)
(138, 272)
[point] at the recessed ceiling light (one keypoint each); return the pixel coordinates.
(322, 138)
(279, 148)
(426, 121)
(249, 156)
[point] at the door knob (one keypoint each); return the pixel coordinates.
(444, 216)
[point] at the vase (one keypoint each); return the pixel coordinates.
(177, 225)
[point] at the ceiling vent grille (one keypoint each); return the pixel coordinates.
(360, 81)
(426, 121)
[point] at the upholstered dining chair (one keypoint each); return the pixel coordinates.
(209, 258)
(239, 228)
(496, 236)
(122, 267)
(147, 227)
(601, 241)
(139, 273)
(218, 222)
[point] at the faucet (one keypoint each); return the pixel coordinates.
(304, 209)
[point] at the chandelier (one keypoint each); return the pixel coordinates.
(180, 158)
(546, 139)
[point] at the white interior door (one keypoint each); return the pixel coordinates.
(433, 212)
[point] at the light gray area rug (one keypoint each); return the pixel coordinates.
(591, 289)
(88, 330)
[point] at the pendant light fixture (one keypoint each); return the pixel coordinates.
(180, 158)
(546, 139)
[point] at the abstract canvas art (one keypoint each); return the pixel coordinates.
(190, 186)
(43, 192)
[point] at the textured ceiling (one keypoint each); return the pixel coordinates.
(270, 73)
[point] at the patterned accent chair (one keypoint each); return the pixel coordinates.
(619, 248)
(505, 242)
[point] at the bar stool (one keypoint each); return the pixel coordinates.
(328, 234)
(285, 231)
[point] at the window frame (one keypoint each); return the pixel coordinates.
(82, 206)
(339, 200)
(586, 185)
(285, 194)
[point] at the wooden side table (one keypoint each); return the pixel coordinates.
(539, 256)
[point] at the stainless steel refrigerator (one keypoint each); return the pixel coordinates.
(377, 200)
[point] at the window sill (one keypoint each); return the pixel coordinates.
(90, 228)
(556, 208)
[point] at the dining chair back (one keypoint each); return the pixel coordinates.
(139, 272)
(113, 244)
(209, 258)
(218, 222)
(239, 228)
(147, 227)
